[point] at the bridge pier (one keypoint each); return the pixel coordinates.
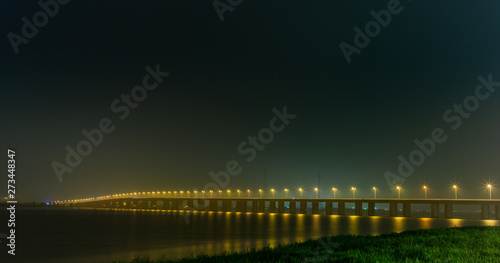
(358, 208)
(328, 208)
(393, 209)
(226, 205)
(262, 206)
(255, 206)
(341, 208)
(448, 210)
(407, 209)
(315, 207)
(371, 208)
(281, 206)
(213, 205)
(485, 211)
(241, 206)
(293, 207)
(272, 206)
(435, 210)
(190, 203)
(303, 207)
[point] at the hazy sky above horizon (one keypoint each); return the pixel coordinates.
(352, 120)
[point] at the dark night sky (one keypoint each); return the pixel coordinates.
(353, 120)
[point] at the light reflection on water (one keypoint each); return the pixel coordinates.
(90, 235)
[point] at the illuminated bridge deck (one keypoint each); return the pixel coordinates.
(328, 206)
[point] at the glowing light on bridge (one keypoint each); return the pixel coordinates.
(425, 191)
(334, 190)
(375, 190)
(489, 187)
(286, 193)
(272, 191)
(300, 190)
(455, 187)
(353, 192)
(399, 191)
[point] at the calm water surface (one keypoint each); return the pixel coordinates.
(97, 235)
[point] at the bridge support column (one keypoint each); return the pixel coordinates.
(448, 210)
(255, 206)
(497, 212)
(213, 205)
(226, 205)
(241, 206)
(485, 211)
(303, 207)
(407, 209)
(293, 207)
(201, 204)
(272, 206)
(281, 207)
(358, 208)
(371, 209)
(328, 208)
(435, 210)
(341, 208)
(262, 206)
(315, 207)
(393, 209)
(190, 203)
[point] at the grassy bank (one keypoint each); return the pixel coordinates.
(466, 244)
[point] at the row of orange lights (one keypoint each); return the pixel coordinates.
(301, 190)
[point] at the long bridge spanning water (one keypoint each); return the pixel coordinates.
(328, 206)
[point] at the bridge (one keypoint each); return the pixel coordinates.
(328, 206)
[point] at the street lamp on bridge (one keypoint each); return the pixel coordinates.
(353, 192)
(334, 190)
(375, 190)
(317, 192)
(286, 193)
(272, 191)
(228, 193)
(211, 193)
(455, 187)
(300, 190)
(489, 186)
(260, 191)
(239, 193)
(399, 191)
(248, 191)
(425, 191)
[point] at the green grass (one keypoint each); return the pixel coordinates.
(465, 244)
